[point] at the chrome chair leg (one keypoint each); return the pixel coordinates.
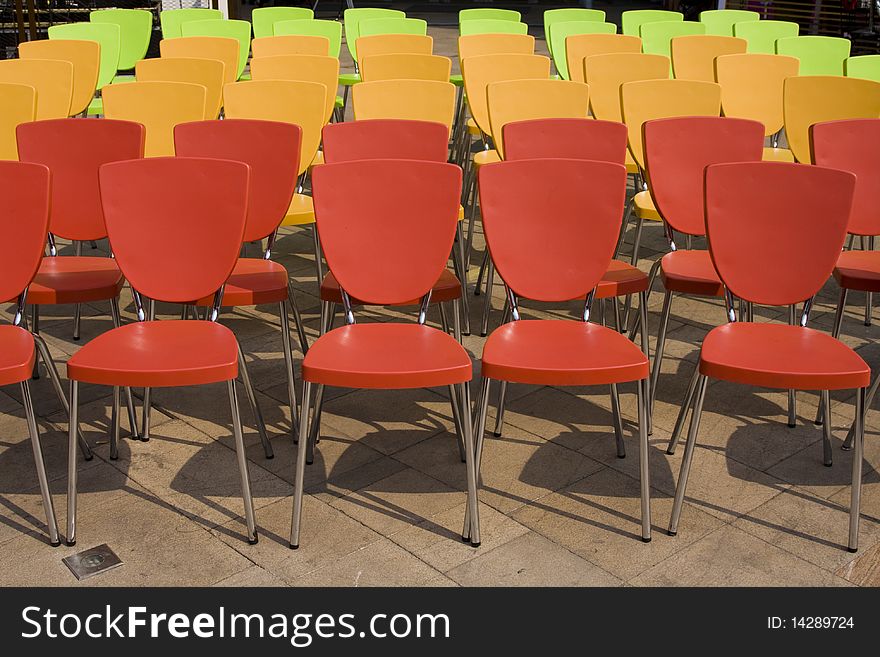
(35, 329)
(644, 465)
(473, 508)
(484, 263)
(129, 400)
(835, 333)
(444, 320)
(858, 454)
(627, 214)
(792, 395)
(459, 421)
(297, 319)
(643, 315)
(499, 417)
(869, 399)
(661, 344)
(480, 420)
(145, 419)
(688, 456)
(77, 312)
(40, 463)
(319, 271)
(826, 429)
(487, 305)
(72, 432)
(869, 298)
(459, 249)
(617, 421)
(456, 322)
(288, 366)
(255, 406)
(298, 483)
(246, 496)
(114, 425)
(315, 430)
(683, 412)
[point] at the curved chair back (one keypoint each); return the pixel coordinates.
(219, 48)
(491, 26)
(391, 25)
(171, 20)
(580, 46)
(386, 44)
(488, 12)
(819, 55)
(51, 79)
(330, 30)
(135, 30)
(352, 19)
(264, 18)
(576, 139)
(866, 67)
(405, 66)
(227, 29)
(563, 33)
(385, 139)
(720, 22)
(762, 35)
(305, 68)
(693, 57)
(290, 44)
(84, 56)
(751, 87)
(19, 106)
(105, 34)
(209, 73)
(657, 37)
(606, 73)
(475, 45)
(631, 21)
(422, 100)
(553, 18)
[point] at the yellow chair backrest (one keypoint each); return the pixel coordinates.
(751, 86)
(521, 100)
(290, 44)
(693, 57)
(210, 73)
(84, 56)
(19, 106)
(605, 74)
(291, 101)
(421, 100)
(645, 100)
(580, 46)
(474, 45)
(386, 44)
(52, 79)
(480, 71)
(158, 106)
(405, 66)
(811, 99)
(223, 48)
(304, 68)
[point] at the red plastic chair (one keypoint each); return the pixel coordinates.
(575, 249)
(271, 149)
(791, 219)
(162, 246)
(386, 254)
(24, 223)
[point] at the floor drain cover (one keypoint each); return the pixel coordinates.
(92, 562)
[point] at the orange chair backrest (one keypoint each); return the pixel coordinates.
(290, 44)
(580, 46)
(422, 100)
(389, 44)
(85, 56)
(474, 45)
(606, 73)
(52, 79)
(577, 139)
(19, 106)
(693, 56)
(751, 86)
(385, 139)
(209, 73)
(304, 68)
(204, 47)
(405, 66)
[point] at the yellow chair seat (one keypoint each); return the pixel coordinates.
(473, 129)
(486, 157)
(778, 155)
(630, 163)
(300, 212)
(645, 208)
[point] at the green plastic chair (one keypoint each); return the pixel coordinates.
(315, 27)
(762, 35)
(375, 26)
(657, 37)
(231, 29)
(492, 26)
(559, 32)
(135, 29)
(720, 22)
(106, 34)
(492, 14)
(553, 17)
(631, 21)
(264, 18)
(819, 55)
(171, 19)
(352, 19)
(866, 67)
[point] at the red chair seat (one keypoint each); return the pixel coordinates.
(561, 352)
(690, 272)
(389, 356)
(621, 278)
(158, 354)
(447, 288)
(858, 270)
(16, 355)
(75, 279)
(781, 356)
(254, 281)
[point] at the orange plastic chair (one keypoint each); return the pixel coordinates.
(52, 79)
(203, 47)
(474, 45)
(581, 46)
(19, 106)
(85, 56)
(693, 57)
(304, 68)
(208, 73)
(290, 44)
(382, 255)
(422, 100)
(792, 219)
(142, 223)
(405, 66)
(393, 44)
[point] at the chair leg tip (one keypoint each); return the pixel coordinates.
(270, 457)
(254, 540)
(671, 532)
(89, 457)
(476, 545)
(846, 448)
(293, 547)
(853, 550)
(671, 452)
(792, 425)
(55, 543)
(646, 540)
(466, 333)
(829, 464)
(497, 434)
(70, 543)
(483, 335)
(621, 456)
(465, 539)
(76, 338)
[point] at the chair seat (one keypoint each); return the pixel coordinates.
(644, 206)
(621, 278)
(777, 155)
(254, 281)
(472, 128)
(16, 355)
(630, 163)
(447, 288)
(858, 270)
(457, 79)
(158, 354)
(300, 212)
(319, 159)
(75, 279)
(486, 157)
(349, 79)
(561, 352)
(386, 356)
(781, 356)
(690, 272)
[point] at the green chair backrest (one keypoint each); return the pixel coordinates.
(492, 26)
(231, 29)
(374, 26)
(559, 32)
(352, 19)
(330, 29)
(631, 21)
(863, 66)
(486, 12)
(761, 35)
(657, 37)
(819, 55)
(135, 28)
(554, 17)
(264, 18)
(106, 34)
(171, 19)
(720, 22)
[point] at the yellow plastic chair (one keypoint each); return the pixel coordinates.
(229, 29)
(474, 45)
(560, 33)
(631, 21)
(84, 56)
(720, 22)
(209, 73)
(290, 44)
(812, 99)
(693, 57)
(304, 68)
(387, 44)
(605, 73)
(52, 79)
(657, 37)
(171, 20)
(406, 66)
(762, 35)
(581, 46)
(19, 106)
(751, 88)
(158, 106)
(105, 34)
(422, 100)
(220, 48)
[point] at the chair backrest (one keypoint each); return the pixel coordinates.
(576, 246)
(853, 145)
(331, 30)
(720, 22)
(562, 33)
(577, 139)
(422, 100)
(677, 152)
(270, 148)
(393, 25)
(84, 56)
(693, 57)
(751, 86)
(606, 73)
(228, 29)
(657, 37)
(866, 67)
(386, 139)
(290, 44)
(19, 106)
(264, 18)
(659, 99)
(158, 106)
(762, 35)
(553, 18)
(520, 100)
(305, 68)
(480, 71)
(220, 48)
(386, 44)
(387, 253)
(171, 20)
(298, 102)
(210, 73)
(631, 21)
(182, 244)
(491, 26)
(813, 99)
(24, 222)
(51, 79)
(474, 45)
(352, 22)
(790, 219)
(105, 34)
(74, 150)
(580, 46)
(135, 29)
(405, 66)
(819, 55)
(488, 12)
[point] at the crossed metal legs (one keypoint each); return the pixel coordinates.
(34, 434)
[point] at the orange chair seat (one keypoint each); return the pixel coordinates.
(486, 157)
(16, 355)
(75, 279)
(621, 278)
(690, 272)
(386, 356)
(777, 155)
(158, 354)
(858, 270)
(781, 356)
(644, 206)
(253, 281)
(561, 352)
(447, 288)
(300, 212)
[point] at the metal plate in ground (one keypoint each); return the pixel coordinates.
(92, 562)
